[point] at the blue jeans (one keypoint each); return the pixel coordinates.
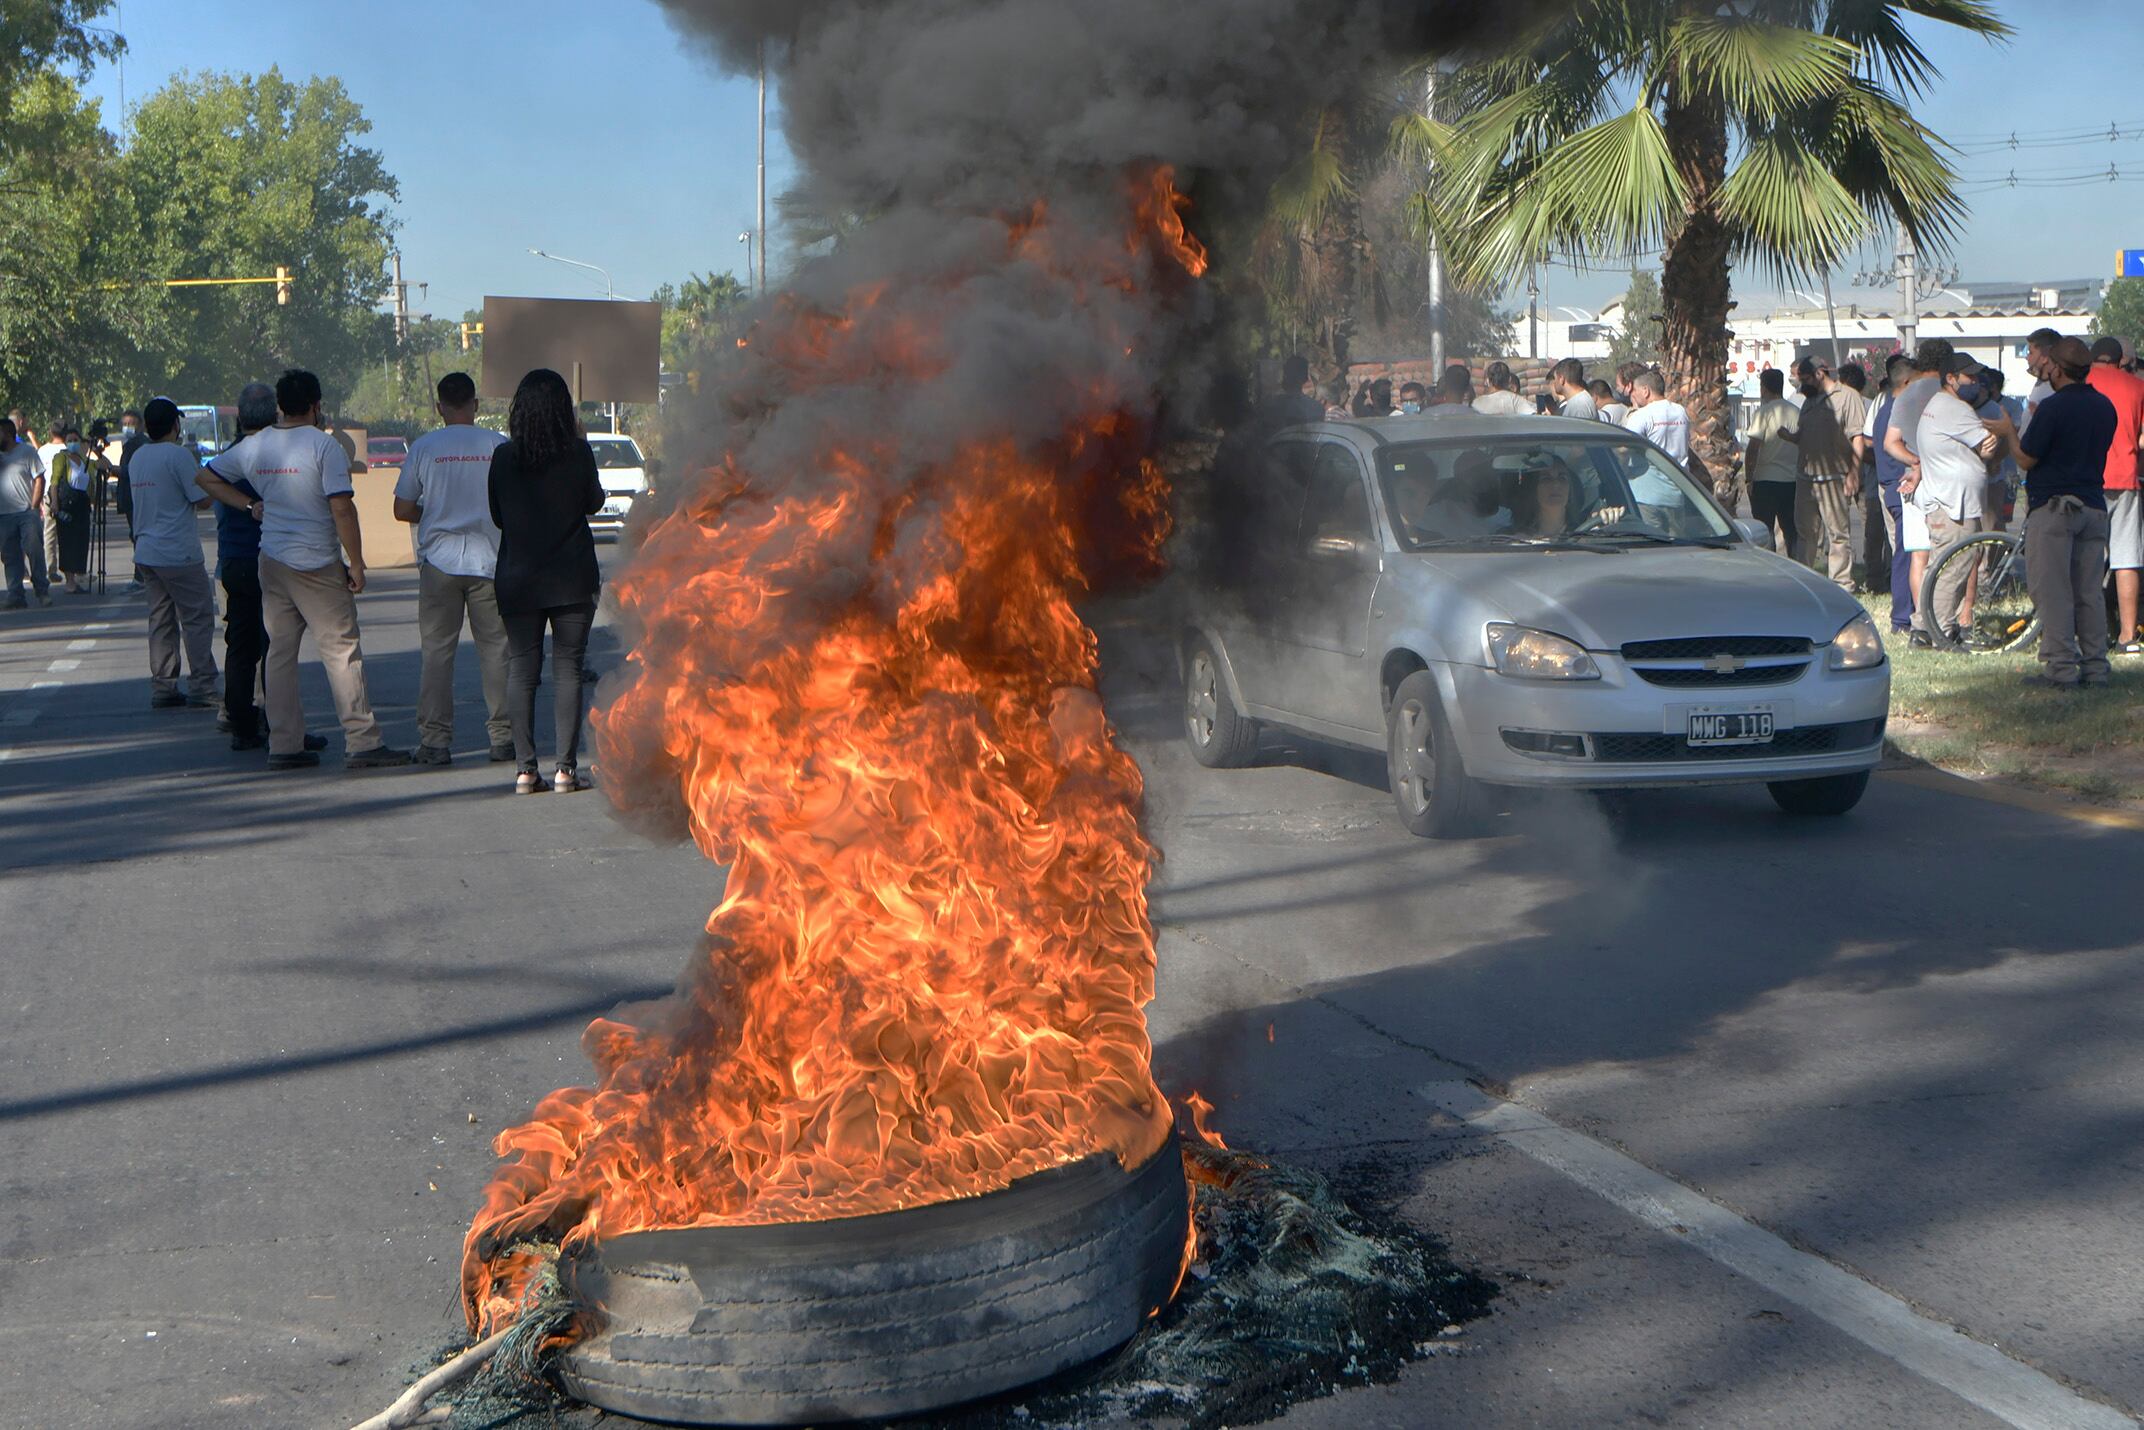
(1902, 593)
(22, 537)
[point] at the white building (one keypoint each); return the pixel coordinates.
(1989, 321)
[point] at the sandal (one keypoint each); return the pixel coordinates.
(568, 779)
(529, 782)
(2129, 648)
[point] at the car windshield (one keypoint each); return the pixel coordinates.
(199, 429)
(614, 452)
(386, 446)
(1513, 493)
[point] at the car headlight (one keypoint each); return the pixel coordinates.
(1537, 655)
(1857, 646)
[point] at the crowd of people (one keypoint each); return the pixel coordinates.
(1935, 452)
(503, 546)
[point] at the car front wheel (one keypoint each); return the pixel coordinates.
(1830, 796)
(1221, 737)
(1430, 785)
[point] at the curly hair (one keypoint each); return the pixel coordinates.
(543, 422)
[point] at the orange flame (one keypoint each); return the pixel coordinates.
(927, 975)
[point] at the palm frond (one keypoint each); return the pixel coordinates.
(1877, 28)
(1894, 167)
(1789, 211)
(1610, 188)
(1314, 182)
(1753, 65)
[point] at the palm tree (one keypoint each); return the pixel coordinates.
(1775, 132)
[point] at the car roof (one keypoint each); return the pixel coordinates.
(612, 437)
(1385, 431)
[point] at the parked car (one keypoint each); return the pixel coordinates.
(623, 470)
(1410, 585)
(387, 452)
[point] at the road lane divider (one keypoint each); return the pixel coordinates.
(1942, 1354)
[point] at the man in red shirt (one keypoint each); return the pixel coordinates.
(2125, 511)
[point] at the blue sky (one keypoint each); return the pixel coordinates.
(586, 129)
(591, 130)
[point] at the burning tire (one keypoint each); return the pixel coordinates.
(885, 1315)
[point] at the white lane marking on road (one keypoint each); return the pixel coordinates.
(46, 684)
(81, 645)
(61, 667)
(98, 626)
(1971, 1370)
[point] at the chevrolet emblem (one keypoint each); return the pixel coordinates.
(1725, 664)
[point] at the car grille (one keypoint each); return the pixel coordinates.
(1705, 647)
(1689, 669)
(1806, 740)
(1691, 677)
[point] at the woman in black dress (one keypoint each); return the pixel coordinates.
(543, 490)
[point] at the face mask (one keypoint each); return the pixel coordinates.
(1972, 394)
(74, 448)
(1410, 408)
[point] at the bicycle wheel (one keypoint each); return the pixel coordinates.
(2004, 618)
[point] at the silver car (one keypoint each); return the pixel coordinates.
(1519, 601)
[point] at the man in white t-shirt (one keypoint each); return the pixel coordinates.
(164, 478)
(1769, 439)
(1954, 446)
(22, 496)
(308, 522)
(52, 456)
(1567, 384)
(1666, 425)
(445, 491)
(1502, 399)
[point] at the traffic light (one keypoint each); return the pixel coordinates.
(467, 329)
(282, 286)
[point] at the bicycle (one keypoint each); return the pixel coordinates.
(2004, 618)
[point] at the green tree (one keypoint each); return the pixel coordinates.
(1773, 131)
(696, 313)
(70, 332)
(47, 38)
(2122, 314)
(235, 175)
(1638, 335)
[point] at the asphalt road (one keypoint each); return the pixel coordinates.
(259, 1029)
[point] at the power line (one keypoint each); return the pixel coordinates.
(2071, 132)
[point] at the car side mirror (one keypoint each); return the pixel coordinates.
(1756, 533)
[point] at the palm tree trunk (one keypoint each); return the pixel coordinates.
(1694, 289)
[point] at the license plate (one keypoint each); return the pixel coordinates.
(1750, 727)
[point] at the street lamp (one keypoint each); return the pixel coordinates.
(610, 294)
(745, 238)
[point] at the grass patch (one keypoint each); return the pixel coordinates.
(1971, 713)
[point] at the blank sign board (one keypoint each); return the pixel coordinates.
(618, 346)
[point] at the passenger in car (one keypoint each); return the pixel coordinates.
(1471, 504)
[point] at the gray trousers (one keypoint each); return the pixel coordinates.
(182, 608)
(2066, 571)
(22, 543)
(443, 602)
(1950, 591)
(294, 602)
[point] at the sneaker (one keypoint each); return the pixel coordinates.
(500, 754)
(316, 743)
(2128, 648)
(378, 758)
(566, 779)
(1921, 640)
(202, 702)
(223, 721)
(296, 760)
(529, 782)
(431, 755)
(44, 598)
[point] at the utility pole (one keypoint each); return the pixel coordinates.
(760, 224)
(1436, 251)
(1533, 312)
(1831, 315)
(401, 304)
(1909, 292)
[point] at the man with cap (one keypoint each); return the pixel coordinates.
(2125, 517)
(1831, 416)
(2064, 455)
(1950, 488)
